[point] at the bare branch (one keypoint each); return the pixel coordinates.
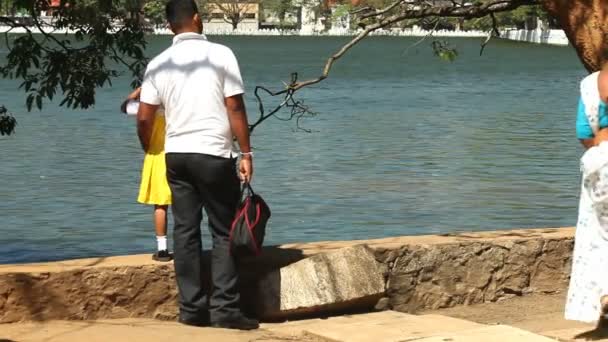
(466, 11)
(298, 109)
(477, 10)
(383, 11)
(34, 13)
(422, 10)
(430, 34)
(495, 25)
(361, 10)
(493, 32)
(13, 25)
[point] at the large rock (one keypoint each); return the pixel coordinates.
(347, 279)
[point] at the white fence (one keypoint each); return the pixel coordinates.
(410, 32)
(553, 37)
(335, 32)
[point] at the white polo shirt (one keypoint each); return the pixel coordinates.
(190, 80)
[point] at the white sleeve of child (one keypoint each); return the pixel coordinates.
(132, 107)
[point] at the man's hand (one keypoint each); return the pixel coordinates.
(246, 169)
(135, 94)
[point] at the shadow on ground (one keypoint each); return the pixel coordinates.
(597, 334)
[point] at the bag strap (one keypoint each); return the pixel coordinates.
(246, 189)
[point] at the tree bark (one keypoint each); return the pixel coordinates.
(585, 22)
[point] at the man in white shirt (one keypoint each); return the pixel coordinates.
(200, 87)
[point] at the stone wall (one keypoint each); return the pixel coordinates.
(424, 272)
(469, 272)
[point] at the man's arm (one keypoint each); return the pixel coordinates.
(237, 115)
(145, 124)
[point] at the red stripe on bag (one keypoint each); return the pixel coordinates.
(250, 229)
(236, 219)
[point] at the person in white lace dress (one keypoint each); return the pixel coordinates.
(588, 292)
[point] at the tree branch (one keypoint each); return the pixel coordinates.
(493, 32)
(423, 38)
(298, 109)
(13, 24)
(468, 11)
(477, 10)
(382, 11)
(336, 56)
(34, 13)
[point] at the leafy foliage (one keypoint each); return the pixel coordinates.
(340, 12)
(443, 50)
(280, 7)
(154, 10)
(108, 39)
(7, 122)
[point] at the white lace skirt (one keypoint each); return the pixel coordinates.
(589, 278)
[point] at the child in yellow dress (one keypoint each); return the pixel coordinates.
(154, 188)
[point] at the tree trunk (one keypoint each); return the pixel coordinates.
(586, 25)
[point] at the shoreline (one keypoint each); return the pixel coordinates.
(538, 36)
(306, 249)
(302, 32)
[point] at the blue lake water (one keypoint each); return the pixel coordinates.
(403, 144)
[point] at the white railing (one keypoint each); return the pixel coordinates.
(410, 32)
(333, 32)
(553, 37)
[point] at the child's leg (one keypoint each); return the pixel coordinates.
(160, 225)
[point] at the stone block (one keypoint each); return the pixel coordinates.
(348, 279)
(387, 327)
(482, 270)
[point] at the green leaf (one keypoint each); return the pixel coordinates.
(29, 101)
(444, 51)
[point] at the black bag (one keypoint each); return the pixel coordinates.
(249, 225)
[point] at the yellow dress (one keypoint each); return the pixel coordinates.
(154, 188)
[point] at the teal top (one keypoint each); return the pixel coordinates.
(583, 129)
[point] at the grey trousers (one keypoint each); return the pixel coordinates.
(200, 181)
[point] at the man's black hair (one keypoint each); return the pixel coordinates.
(180, 12)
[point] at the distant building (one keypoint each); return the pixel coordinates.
(292, 20)
(219, 16)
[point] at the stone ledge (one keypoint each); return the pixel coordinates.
(424, 272)
(278, 253)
